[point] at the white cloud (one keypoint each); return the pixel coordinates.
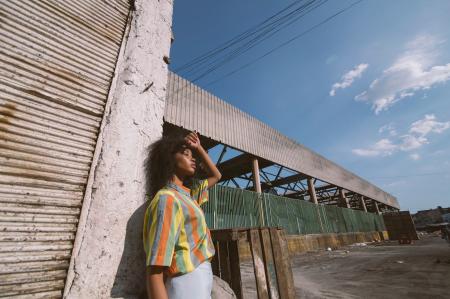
(428, 124)
(415, 156)
(365, 152)
(414, 70)
(348, 78)
(383, 147)
(419, 130)
(410, 142)
(416, 137)
(390, 128)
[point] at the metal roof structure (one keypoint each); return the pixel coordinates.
(191, 107)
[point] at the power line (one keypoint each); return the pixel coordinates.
(229, 42)
(250, 40)
(274, 49)
(412, 175)
(269, 22)
(283, 44)
(257, 40)
(256, 35)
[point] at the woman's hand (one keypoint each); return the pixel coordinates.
(192, 140)
(213, 173)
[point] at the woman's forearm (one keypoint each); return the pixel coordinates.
(214, 174)
(155, 283)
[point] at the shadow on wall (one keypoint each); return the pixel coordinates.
(130, 276)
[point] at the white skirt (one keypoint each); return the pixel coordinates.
(196, 284)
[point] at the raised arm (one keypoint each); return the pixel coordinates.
(213, 173)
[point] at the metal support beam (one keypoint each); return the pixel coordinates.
(235, 183)
(266, 178)
(278, 173)
(248, 184)
(239, 165)
(312, 191)
(285, 180)
(224, 150)
(363, 203)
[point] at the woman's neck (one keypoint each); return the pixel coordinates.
(177, 180)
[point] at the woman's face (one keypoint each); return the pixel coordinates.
(185, 163)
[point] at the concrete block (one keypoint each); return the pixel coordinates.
(221, 289)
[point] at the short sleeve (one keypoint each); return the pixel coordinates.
(162, 225)
(200, 192)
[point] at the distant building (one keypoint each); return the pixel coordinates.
(446, 217)
(431, 216)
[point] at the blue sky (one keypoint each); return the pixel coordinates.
(369, 90)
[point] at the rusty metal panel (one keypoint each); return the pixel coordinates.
(400, 225)
(57, 60)
(237, 129)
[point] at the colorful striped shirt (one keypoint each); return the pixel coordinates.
(175, 230)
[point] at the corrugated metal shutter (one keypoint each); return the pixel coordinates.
(57, 59)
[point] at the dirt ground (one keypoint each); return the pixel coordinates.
(378, 270)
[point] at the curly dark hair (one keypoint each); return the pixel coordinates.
(160, 163)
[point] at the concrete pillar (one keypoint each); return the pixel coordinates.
(312, 191)
(313, 199)
(377, 210)
(257, 185)
(363, 203)
(343, 199)
(108, 258)
(256, 177)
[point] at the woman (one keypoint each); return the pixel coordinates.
(177, 241)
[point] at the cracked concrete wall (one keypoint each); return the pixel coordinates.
(108, 259)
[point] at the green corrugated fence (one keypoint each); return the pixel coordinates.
(230, 207)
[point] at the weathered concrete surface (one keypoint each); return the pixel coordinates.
(382, 270)
(221, 289)
(107, 261)
(303, 243)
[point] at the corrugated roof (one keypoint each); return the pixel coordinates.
(193, 108)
